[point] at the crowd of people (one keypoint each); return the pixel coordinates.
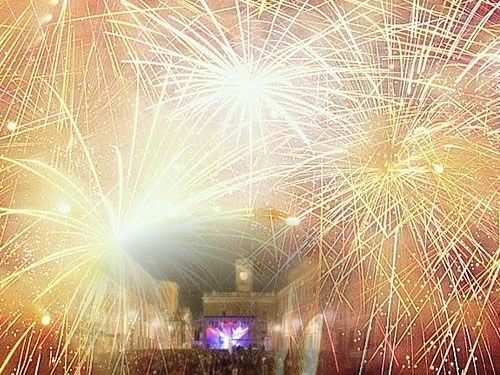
(195, 362)
(216, 362)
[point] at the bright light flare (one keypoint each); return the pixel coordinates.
(438, 168)
(63, 207)
(11, 126)
(292, 221)
(244, 86)
(46, 319)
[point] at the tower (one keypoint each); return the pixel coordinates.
(169, 293)
(244, 275)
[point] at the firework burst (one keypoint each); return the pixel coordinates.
(371, 128)
(405, 198)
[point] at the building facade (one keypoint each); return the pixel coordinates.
(142, 322)
(240, 318)
(275, 321)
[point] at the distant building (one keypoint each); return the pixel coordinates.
(169, 295)
(240, 318)
(146, 321)
(298, 320)
(275, 321)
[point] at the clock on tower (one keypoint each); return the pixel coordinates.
(244, 280)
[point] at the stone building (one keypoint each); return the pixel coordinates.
(243, 318)
(298, 312)
(153, 320)
(276, 321)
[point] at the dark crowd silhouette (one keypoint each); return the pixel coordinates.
(213, 362)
